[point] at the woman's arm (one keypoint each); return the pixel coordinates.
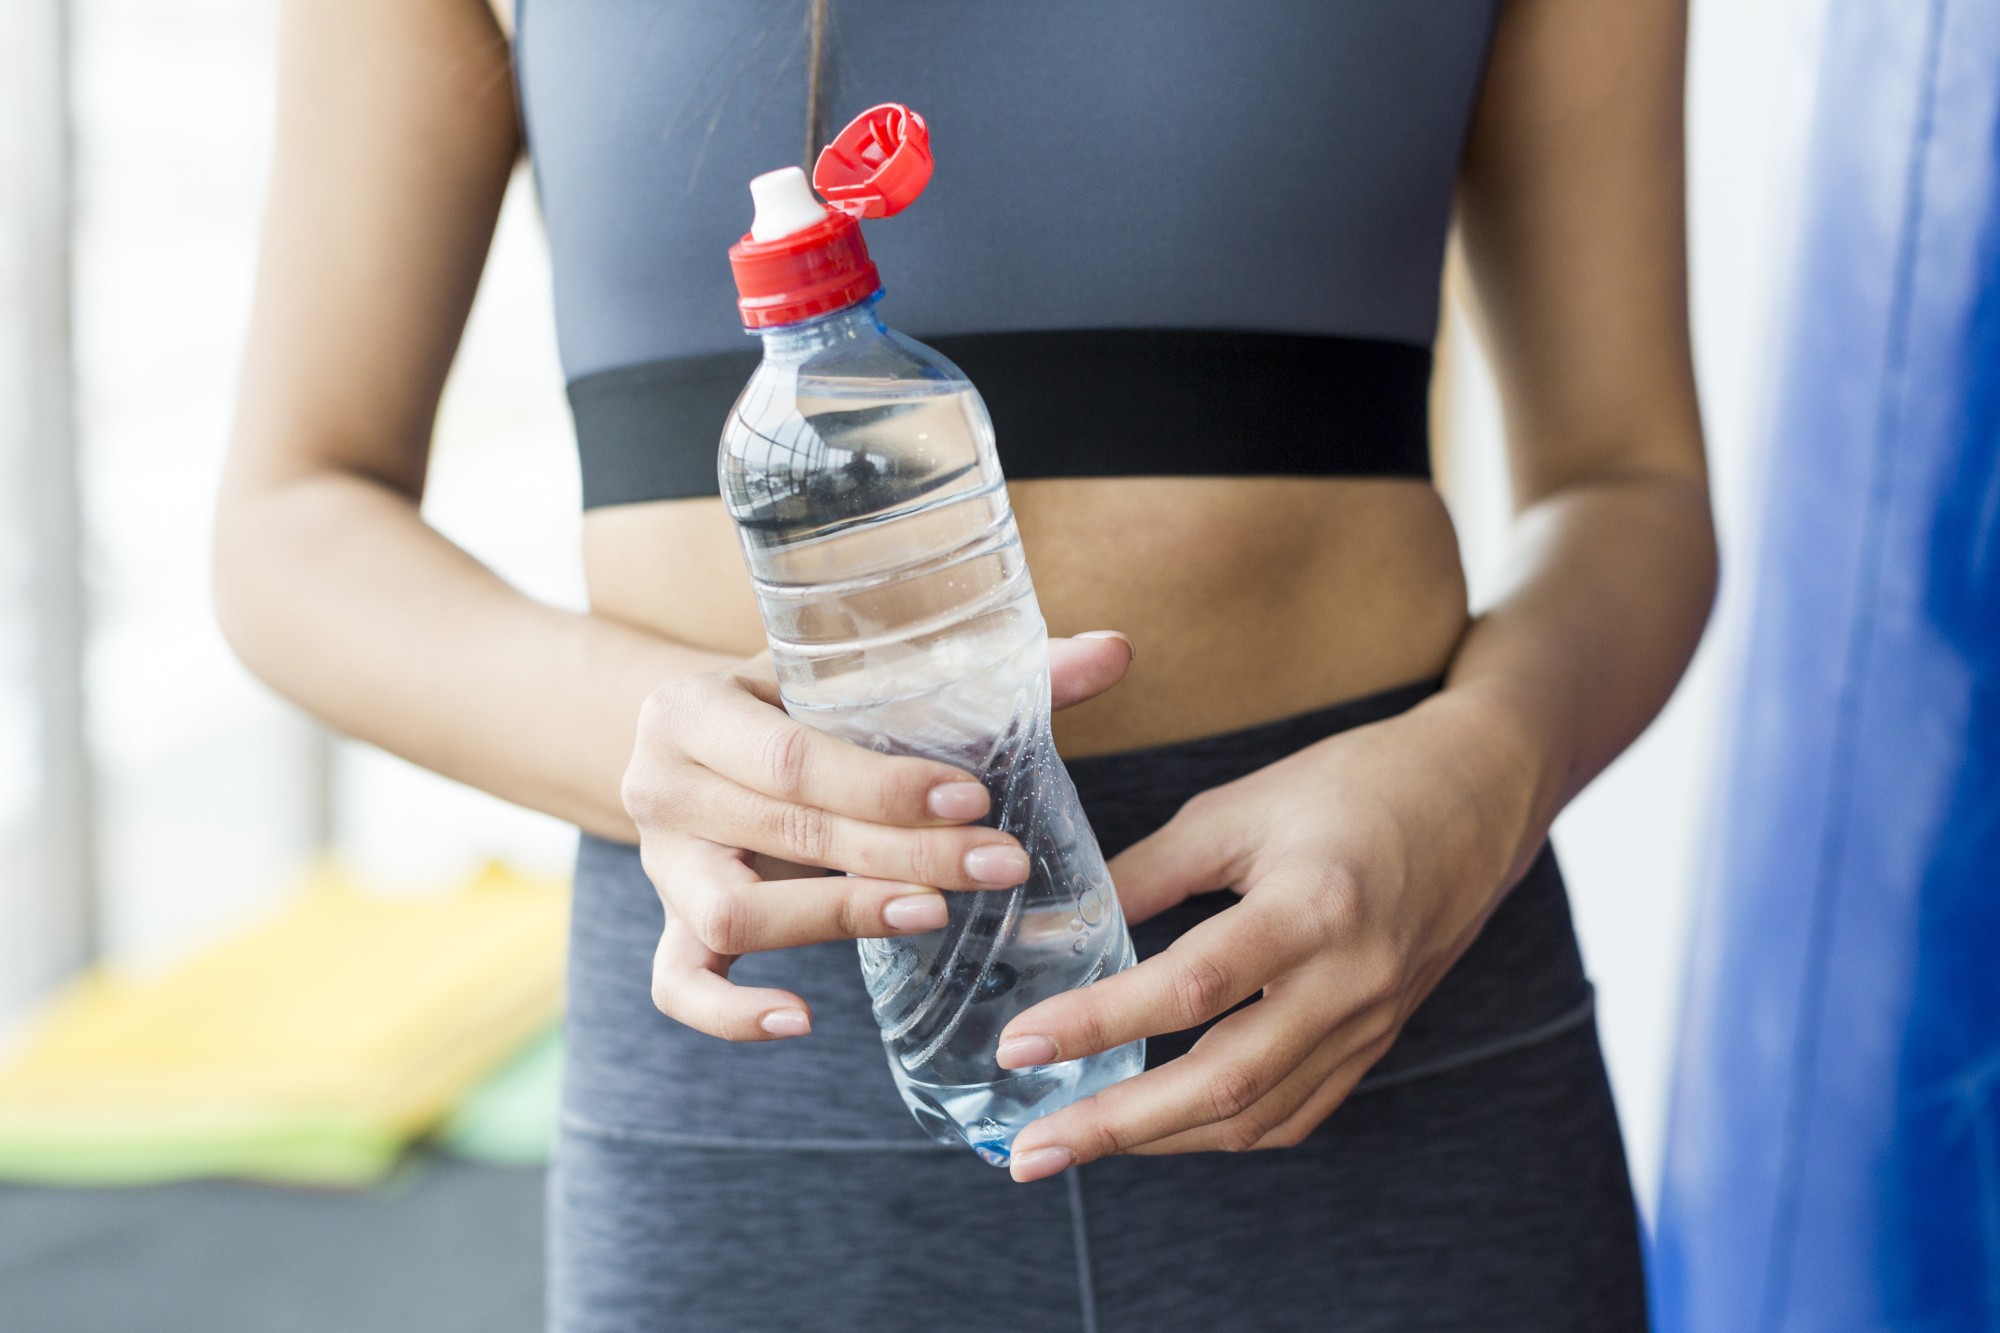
(1369, 862)
(1572, 213)
(396, 136)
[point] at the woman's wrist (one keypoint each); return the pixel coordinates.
(1503, 757)
(619, 666)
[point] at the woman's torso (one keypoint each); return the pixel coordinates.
(1283, 167)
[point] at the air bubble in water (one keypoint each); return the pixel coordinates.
(1091, 906)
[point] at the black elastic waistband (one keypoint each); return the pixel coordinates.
(1068, 403)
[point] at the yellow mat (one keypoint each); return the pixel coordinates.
(311, 1048)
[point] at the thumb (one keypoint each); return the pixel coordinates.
(1187, 855)
(1087, 665)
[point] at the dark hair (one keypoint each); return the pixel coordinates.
(815, 82)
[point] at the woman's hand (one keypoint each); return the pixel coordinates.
(1366, 864)
(742, 812)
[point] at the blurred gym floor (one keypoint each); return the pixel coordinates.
(445, 1247)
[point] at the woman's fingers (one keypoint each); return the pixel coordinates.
(691, 985)
(949, 856)
(717, 909)
(730, 910)
(1086, 665)
(1291, 1110)
(722, 725)
(730, 725)
(786, 913)
(718, 757)
(711, 752)
(1206, 972)
(1195, 851)
(1325, 1099)
(1229, 1071)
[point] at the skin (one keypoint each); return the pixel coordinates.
(1364, 864)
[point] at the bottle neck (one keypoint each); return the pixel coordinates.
(795, 342)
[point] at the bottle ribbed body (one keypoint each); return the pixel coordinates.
(860, 469)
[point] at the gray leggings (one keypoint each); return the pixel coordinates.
(1475, 1180)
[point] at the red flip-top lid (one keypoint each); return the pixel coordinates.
(878, 165)
(874, 168)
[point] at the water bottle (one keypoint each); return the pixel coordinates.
(859, 467)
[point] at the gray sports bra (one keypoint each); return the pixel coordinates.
(1163, 237)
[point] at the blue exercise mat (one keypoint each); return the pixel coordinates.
(1834, 1155)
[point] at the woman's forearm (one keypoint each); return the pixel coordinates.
(396, 136)
(334, 591)
(1612, 583)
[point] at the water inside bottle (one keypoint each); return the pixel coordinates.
(901, 617)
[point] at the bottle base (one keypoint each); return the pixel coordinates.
(986, 1116)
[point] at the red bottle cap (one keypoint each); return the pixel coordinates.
(878, 165)
(875, 167)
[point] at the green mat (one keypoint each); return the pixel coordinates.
(510, 1119)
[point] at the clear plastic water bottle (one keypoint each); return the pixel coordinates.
(860, 469)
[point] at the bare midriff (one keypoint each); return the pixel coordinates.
(1247, 598)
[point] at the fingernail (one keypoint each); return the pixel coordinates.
(1041, 1163)
(919, 911)
(959, 800)
(996, 864)
(786, 1023)
(1131, 649)
(1021, 1052)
